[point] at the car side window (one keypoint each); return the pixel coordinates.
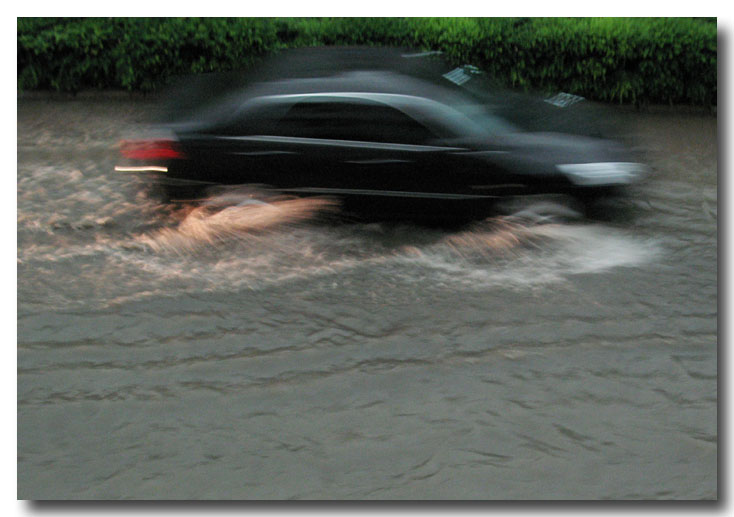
(259, 119)
(369, 122)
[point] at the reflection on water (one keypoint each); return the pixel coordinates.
(249, 347)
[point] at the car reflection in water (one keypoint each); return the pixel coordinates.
(383, 131)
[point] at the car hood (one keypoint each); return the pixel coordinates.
(562, 148)
(543, 152)
(581, 160)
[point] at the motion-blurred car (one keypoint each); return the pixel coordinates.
(363, 130)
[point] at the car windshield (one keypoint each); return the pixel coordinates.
(482, 120)
(473, 99)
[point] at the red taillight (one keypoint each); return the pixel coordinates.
(150, 149)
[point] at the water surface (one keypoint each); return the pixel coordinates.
(252, 353)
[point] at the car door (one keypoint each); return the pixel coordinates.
(389, 153)
(243, 149)
(310, 143)
(366, 144)
(352, 144)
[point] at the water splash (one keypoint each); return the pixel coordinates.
(503, 252)
(245, 239)
(231, 217)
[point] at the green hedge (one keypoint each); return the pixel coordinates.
(627, 60)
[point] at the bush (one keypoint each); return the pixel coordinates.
(626, 60)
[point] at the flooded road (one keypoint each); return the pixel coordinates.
(256, 353)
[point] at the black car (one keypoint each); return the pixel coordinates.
(374, 137)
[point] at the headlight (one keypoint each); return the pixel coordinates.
(605, 173)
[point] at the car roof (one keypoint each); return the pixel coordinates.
(400, 71)
(376, 82)
(315, 69)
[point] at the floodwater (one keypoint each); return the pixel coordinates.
(245, 351)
